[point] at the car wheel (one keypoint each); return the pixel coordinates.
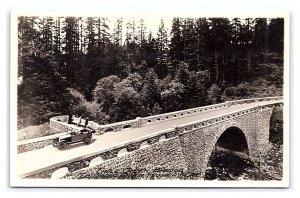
(55, 143)
(61, 145)
(87, 140)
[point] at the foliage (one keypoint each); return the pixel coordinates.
(276, 127)
(156, 109)
(83, 108)
(150, 92)
(172, 97)
(213, 94)
(103, 92)
(243, 90)
(127, 105)
(79, 65)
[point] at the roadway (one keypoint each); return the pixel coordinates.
(49, 155)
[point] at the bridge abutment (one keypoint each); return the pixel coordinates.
(260, 135)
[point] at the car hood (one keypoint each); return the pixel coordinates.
(65, 136)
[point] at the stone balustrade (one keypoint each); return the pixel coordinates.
(252, 100)
(60, 123)
(119, 126)
(104, 154)
(140, 121)
(183, 113)
(221, 118)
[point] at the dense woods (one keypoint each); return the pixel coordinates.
(113, 72)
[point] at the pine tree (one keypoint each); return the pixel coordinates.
(246, 41)
(219, 42)
(150, 91)
(176, 45)
(150, 51)
(162, 51)
(131, 43)
(261, 34)
(202, 49)
(142, 42)
(190, 44)
(276, 35)
(41, 95)
(118, 32)
(70, 45)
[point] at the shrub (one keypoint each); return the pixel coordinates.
(214, 93)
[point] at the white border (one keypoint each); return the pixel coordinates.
(192, 12)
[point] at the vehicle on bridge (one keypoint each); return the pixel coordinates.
(82, 135)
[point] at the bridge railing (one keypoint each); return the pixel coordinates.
(141, 121)
(252, 100)
(105, 154)
(183, 113)
(221, 118)
(59, 123)
(135, 144)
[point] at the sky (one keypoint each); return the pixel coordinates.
(151, 22)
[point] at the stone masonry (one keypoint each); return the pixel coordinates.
(186, 147)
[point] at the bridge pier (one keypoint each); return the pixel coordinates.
(260, 140)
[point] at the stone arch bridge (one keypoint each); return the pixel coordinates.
(182, 140)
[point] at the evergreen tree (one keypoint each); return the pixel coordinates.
(150, 90)
(118, 32)
(219, 42)
(202, 47)
(190, 44)
(70, 45)
(150, 51)
(276, 35)
(176, 45)
(42, 93)
(204, 58)
(162, 51)
(261, 34)
(247, 40)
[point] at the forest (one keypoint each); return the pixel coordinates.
(108, 73)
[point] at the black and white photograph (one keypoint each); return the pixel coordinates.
(149, 100)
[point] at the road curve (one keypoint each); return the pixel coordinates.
(49, 155)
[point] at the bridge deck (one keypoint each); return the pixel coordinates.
(41, 158)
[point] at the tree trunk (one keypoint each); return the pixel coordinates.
(249, 60)
(216, 67)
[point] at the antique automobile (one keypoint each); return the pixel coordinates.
(81, 135)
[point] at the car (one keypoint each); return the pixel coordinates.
(81, 135)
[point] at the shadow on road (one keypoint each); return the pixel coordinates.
(75, 145)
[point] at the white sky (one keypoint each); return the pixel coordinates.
(152, 23)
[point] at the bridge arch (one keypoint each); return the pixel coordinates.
(231, 137)
(59, 173)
